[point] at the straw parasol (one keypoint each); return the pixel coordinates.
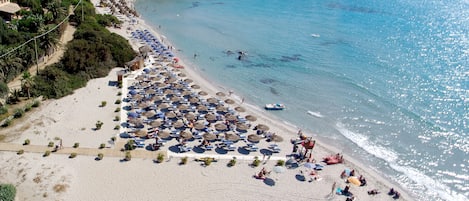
(241, 127)
(163, 106)
(212, 100)
(240, 109)
(140, 78)
(209, 136)
(171, 79)
(156, 98)
(156, 123)
(230, 117)
(202, 108)
(144, 104)
(168, 91)
(160, 84)
(163, 134)
(231, 136)
(194, 100)
(157, 78)
(190, 116)
(254, 138)
(188, 80)
(199, 125)
(178, 124)
(229, 101)
(276, 138)
(175, 99)
(220, 127)
(220, 94)
(150, 113)
(170, 114)
(251, 118)
(262, 127)
(221, 108)
(186, 92)
(195, 86)
(182, 75)
(150, 91)
(186, 134)
(203, 93)
(138, 97)
(141, 133)
(182, 107)
(210, 117)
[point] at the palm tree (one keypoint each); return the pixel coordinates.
(56, 9)
(8, 67)
(26, 83)
(49, 41)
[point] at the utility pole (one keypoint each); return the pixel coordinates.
(37, 57)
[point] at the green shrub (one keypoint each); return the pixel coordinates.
(57, 138)
(100, 156)
(21, 151)
(102, 146)
(117, 109)
(117, 118)
(72, 155)
(256, 162)
(183, 160)
(27, 108)
(232, 162)
(26, 142)
(7, 192)
(36, 103)
(130, 145)
(280, 163)
(128, 156)
(18, 113)
(76, 145)
(51, 144)
(113, 139)
(118, 101)
(99, 124)
(47, 153)
(208, 161)
(7, 123)
(160, 158)
(103, 103)
(3, 110)
(117, 127)
(119, 93)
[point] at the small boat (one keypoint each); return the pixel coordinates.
(275, 106)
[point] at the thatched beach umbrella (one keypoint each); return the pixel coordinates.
(229, 101)
(194, 100)
(140, 78)
(203, 93)
(170, 114)
(163, 134)
(163, 106)
(231, 136)
(210, 117)
(171, 79)
(251, 118)
(182, 107)
(202, 108)
(175, 99)
(177, 86)
(178, 124)
(156, 123)
(150, 91)
(144, 104)
(221, 108)
(188, 80)
(212, 100)
(220, 127)
(262, 127)
(145, 84)
(276, 138)
(231, 117)
(155, 78)
(186, 134)
(141, 133)
(241, 127)
(254, 138)
(160, 84)
(199, 125)
(190, 116)
(221, 94)
(240, 109)
(182, 75)
(156, 98)
(138, 97)
(195, 86)
(209, 136)
(186, 93)
(149, 114)
(168, 91)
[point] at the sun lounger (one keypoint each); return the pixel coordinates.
(183, 149)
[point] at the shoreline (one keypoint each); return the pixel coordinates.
(80, 174)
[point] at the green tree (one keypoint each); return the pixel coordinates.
(7, 192)
(55, 9)
(26, 83)
(49, 41)
(8, 67)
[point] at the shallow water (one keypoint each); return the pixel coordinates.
(389, 83)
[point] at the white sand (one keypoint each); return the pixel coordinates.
(73, 118)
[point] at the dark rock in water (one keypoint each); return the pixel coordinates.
(268, 80)
(195, 4)
(273, 91)
(262, 65)
(228, 52)
(230, 66)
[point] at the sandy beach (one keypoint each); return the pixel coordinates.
(73, 119)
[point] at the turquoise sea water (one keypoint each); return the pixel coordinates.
(388, 81)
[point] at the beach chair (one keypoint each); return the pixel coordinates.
(230, 147)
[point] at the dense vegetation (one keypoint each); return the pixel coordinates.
(92, 53)
(7, 192)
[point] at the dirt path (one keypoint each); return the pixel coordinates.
(66, 37)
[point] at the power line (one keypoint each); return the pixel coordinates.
(43, 34)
